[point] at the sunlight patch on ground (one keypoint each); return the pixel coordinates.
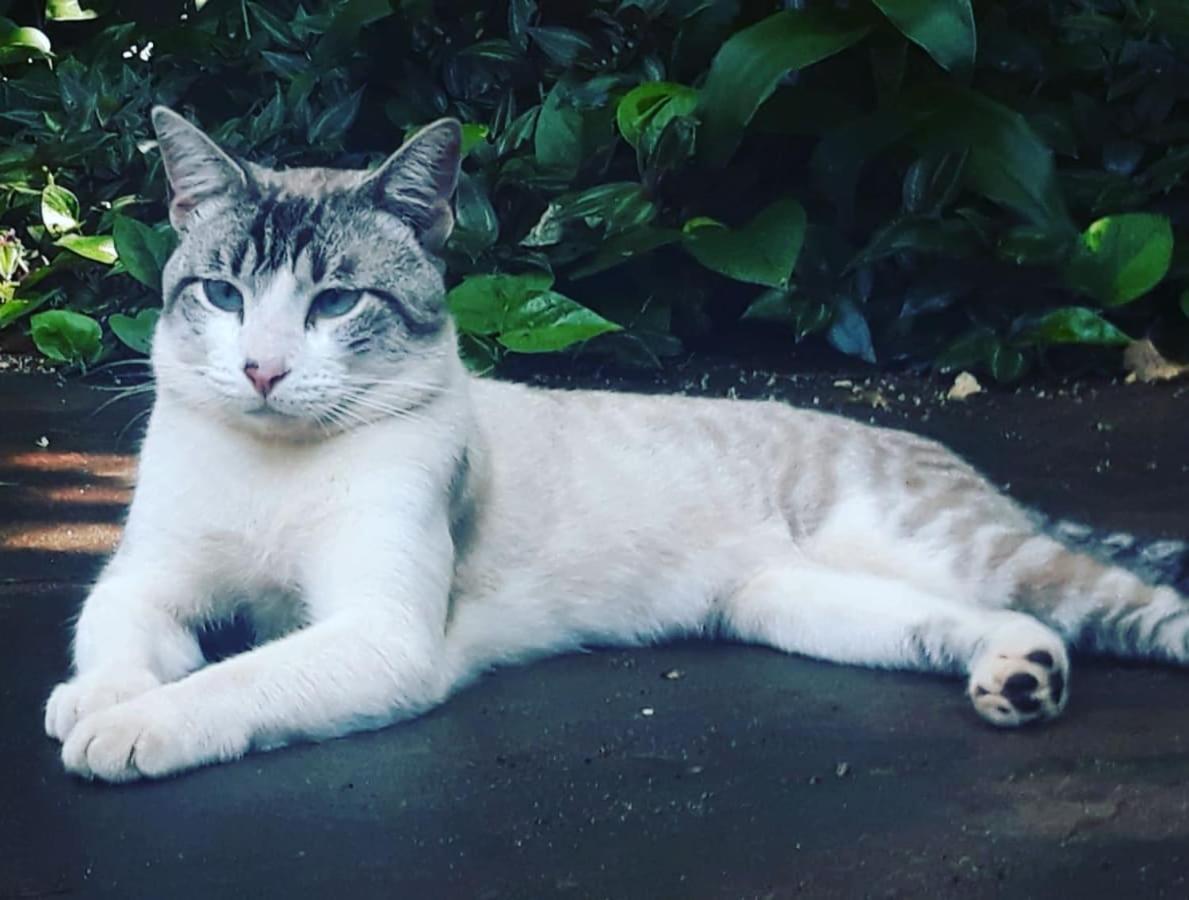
(76, 537)
(91, 493)
(27, 516)
(101, 465)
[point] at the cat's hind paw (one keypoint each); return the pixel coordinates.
(1015, 686)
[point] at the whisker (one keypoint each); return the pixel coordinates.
(119, 363)
(371, 403)
(140, 415)
(119, 388)
(126, 394)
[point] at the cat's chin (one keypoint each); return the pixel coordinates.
(270, 423)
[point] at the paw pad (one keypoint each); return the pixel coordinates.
(1009, 690)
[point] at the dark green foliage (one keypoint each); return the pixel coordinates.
(933, 182)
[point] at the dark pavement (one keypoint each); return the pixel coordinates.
(754, 775)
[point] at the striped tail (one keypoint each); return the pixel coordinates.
(1106, 592)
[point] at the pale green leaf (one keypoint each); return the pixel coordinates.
(100, 248)
(67, 11)
(59, 210)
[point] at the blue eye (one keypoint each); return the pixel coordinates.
(223, 295)
(334, 303)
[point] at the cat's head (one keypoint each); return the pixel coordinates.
(304, 302)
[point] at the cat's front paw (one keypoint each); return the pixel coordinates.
(1014, 685)
(147, 737)
(74, 700)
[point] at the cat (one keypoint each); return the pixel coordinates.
(319, 461)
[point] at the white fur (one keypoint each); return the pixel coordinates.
(587, 519)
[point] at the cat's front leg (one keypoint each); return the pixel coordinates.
(371, 656)
(128, 639)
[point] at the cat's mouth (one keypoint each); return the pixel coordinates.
(267, 411)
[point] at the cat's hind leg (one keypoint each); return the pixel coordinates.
(1017, 668)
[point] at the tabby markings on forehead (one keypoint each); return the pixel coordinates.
(283, 228)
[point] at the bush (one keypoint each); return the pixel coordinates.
(913, 181)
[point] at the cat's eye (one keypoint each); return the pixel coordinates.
(333, 303)
(223, 295)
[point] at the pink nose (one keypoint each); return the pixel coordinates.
(264, 376)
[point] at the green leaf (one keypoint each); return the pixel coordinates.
(101, 248)
(67, 11)
(480, 354)
(472, 136)
(670, 147)
(934, 237)
(1121, 258)
(66, 336)
(480, 303)
(11, 310)
(59, 210)
(25, 304)
(773, 305)
(809, 316)
(558, 137)
(551, 321)
(943, 28)
(517, 132)
(935, 289)
(13, 257)
(614, 207)
(143, 250)
(1185, 302)
(849, 332)
(349, 19)
(1007, 162)
(523, 313)
(136, 331)
(932, 181)
(287, 65)
(652, 105)
(276, 28)
(333, 122)
(1075, 325)
(621, 248)
(1007, 363)
(839, 157)
(1027, 245)
(562, 45)
(18, 43)
(749, 66)
(764, 251)
(476, 226)
(973, 348)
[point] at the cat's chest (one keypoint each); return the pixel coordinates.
(248, 518)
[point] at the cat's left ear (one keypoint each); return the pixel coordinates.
(415, 183)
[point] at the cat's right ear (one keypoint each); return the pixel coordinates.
(196, 169)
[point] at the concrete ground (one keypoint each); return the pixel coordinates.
(754, 775)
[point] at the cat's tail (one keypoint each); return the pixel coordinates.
(1106, 592)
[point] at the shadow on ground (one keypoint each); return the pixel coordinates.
(753, 774)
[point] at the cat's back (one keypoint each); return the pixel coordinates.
(665, 457)
(658, 456)
(677, 429)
